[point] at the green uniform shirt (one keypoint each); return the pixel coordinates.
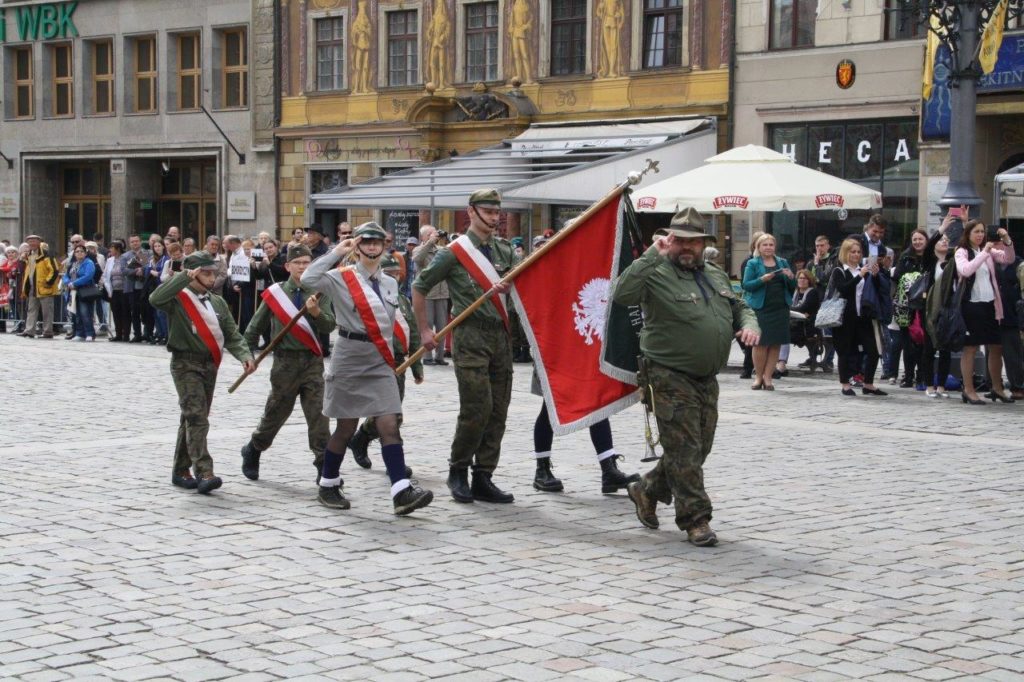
(682, 330)
(180, 335)
(462, 288)
(265, 319)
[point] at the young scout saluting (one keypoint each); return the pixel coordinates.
(360, 379)
(298, 370)
(406, 337)
(200, 328)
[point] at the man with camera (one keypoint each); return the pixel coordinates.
(432, 241)
(134, 260)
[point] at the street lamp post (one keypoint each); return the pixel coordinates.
(959, 24)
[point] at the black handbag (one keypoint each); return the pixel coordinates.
(919, 292)
(88, 292)
(950, 328)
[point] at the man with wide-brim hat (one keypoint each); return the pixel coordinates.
(690, 318)
(359, 381)
(39, 286)
(482, 345)
(314, 240)
(200, 328)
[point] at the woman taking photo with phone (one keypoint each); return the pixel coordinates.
(857, 332)
(976, 258)
(768, 284)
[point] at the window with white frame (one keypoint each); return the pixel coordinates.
(330, 52)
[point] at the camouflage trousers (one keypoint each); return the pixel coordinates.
(687, 412)
(195, 377)
(369, 426)
(482, 354)
(295, 374)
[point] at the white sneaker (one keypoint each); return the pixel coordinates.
(90, 339)
(931, 394)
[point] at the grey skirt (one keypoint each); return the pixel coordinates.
(358, 383)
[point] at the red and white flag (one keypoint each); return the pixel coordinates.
(562, 301)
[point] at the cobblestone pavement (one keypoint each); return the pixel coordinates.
(860, 538)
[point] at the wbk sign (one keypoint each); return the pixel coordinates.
(44, 21)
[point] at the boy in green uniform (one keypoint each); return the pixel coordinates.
(298, 370)
(200, 328)
(406, 339)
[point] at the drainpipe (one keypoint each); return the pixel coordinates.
(277, 116)
(730, 109)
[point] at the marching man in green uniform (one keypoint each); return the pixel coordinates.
(482, 350)
(200, 329)
(360, 378)
(406, 336)
(690, 317)
(298, 370)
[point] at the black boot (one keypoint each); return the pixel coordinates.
(458, 483)
(613, 480)
(484, 489)
(543, 479)
(358, 444)
(250, 462)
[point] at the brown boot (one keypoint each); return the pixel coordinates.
(646, 506)
(700, 534)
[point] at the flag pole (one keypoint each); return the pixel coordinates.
(273, 342)
(634, 178)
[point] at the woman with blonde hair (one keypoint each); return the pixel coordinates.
(857, 332)
(768, 285)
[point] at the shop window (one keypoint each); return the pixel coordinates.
(190, 71)
(901, 25)
(102, 77)
(403, 47)
(568, 37)
(328, 180)
(24, 82)
(663, 34)
(792, 23)
(330, 53)
(234, 68)
(62, 102)
(481, 41)
(143, 79)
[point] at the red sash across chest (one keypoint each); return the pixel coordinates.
(372, 312)
(481, 270)
(284, 310)
(204, 322)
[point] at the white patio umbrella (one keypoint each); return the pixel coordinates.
(754, 178)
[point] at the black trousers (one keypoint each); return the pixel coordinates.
(120, 311)
(135, 301)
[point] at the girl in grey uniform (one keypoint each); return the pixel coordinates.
(360, 379)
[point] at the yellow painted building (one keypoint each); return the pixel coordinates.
(370, 87)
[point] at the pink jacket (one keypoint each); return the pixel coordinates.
(965, 268)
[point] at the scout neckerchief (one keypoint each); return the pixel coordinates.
(402, 331)
(371, 311)
(204, 322)
(481, 270)
(284, 310)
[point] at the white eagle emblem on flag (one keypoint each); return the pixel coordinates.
(590, 309)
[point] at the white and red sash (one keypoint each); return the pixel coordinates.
(204, 322)
(371, 311)
(402, 331)
(284, 310)
(481, 270)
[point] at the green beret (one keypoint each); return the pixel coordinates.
(299, 251)
(199, 259)
(370, 230)
(485, 197)
(389, 262)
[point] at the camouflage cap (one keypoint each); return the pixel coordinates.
(485, 197)
(688, 224)
(389, 262)
(370, 230)
(199, 260)
(299, 251)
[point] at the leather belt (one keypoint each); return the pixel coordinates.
(354, 336)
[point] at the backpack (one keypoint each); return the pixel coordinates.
(901, 311)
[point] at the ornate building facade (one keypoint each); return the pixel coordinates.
(368, 88)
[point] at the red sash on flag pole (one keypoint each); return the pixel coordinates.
(371, 311)
(481, 270)
(205, 322)
(402, 331)
(284, 309)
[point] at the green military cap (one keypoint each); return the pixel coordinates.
(485, 197)
(299, 251)
(199, 260)
(370, 230)
(389, 262)
(688, 224)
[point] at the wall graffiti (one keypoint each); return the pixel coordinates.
(335, 149)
